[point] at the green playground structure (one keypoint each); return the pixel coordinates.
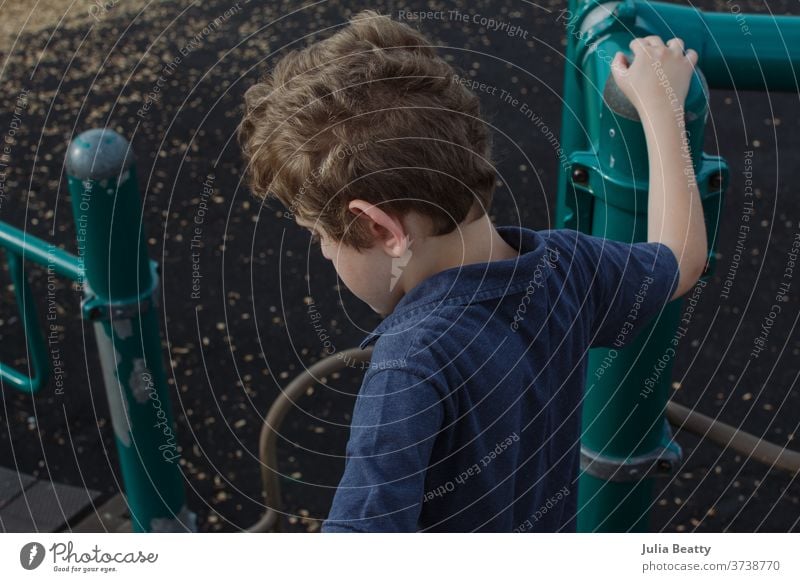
(603, 190)
(120, 292)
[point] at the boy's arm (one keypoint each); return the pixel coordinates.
(657, 84)
(396, 419)
(627, 284)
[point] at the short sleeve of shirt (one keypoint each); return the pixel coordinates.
(396, 419)
(628, 285)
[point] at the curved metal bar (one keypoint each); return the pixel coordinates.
(751, 446)
(270, 475)
(37, 354)
(43, 253)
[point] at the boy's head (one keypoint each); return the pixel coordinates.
(369, 140)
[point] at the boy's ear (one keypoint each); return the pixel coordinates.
(386, 230)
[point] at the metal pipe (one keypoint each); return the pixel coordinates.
(37, 353)
(268, 440)
(751, 446)
(37, 251)
(736, 50)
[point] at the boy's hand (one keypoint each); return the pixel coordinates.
(659, 76)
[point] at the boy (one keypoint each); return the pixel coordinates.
(468, 418)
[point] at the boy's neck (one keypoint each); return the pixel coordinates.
(474, 241)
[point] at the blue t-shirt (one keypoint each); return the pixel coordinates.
(468, 418)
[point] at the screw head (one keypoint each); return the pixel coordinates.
(580, 175)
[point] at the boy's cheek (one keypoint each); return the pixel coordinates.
(369, 288)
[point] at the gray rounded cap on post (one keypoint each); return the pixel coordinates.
(97, 154)
(617, 101)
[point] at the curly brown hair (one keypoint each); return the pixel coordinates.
(371, 112)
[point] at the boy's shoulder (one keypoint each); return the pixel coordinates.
(597, 259)
(449, 310)
(410, 344)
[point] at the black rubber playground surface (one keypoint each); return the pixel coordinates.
(249, 332)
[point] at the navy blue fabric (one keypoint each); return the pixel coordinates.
(468, 418)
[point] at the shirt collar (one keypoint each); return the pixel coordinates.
(469, 283)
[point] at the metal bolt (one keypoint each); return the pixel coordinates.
(715, 181)
(580, 175)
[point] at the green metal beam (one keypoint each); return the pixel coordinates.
(120, 285)
(737, 51)
(120, 298)
(35, 250)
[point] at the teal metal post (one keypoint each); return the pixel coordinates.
(603, 190)
(626, 442)
(120, 298)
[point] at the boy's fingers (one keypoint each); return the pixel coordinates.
(654, 40)
(691, 54)
(676, 44)
(639, 47)
(619, 66)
